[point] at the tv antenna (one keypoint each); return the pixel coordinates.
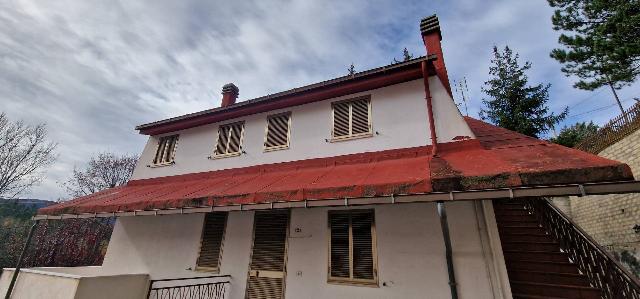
(462, 89)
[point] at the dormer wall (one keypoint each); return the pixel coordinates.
(398, 120)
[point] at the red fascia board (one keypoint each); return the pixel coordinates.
(411, 72)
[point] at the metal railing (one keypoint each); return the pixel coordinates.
(616, 129)
(204, 287)
(600, 267)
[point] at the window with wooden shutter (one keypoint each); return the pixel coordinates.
(352, 248)
(277, 132)
(211, 241)
(352, 118)
(165, 151)
(229, 140)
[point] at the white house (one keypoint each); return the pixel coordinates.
(371, 185)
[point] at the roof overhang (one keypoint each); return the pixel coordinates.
(470, 195)
(358, 82)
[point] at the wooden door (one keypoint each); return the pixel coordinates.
(267, 269)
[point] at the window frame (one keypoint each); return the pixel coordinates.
(374, 252)
(266, 133)
(216, 269)
(240, 144)
(352, 136)
(172, 160)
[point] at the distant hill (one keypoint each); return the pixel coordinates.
(29, 202)
(21, 208)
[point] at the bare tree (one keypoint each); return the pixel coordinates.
(106, 170)
(24, 153)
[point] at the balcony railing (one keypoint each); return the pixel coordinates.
(205, 287)
(599, 266)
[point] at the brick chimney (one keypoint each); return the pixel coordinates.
(431, 36)
(229, 94)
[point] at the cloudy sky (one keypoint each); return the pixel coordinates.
(92, 70)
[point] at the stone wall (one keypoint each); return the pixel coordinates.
(610, 219)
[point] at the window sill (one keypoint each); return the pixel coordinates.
(207, 270)
(161, 164)
(214, 157)
(352, 137)
(354, 283)
(276, 148)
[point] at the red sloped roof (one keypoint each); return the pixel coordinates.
(497, 158)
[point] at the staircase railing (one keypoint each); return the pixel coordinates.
(601, 268)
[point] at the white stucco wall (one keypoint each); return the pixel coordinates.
(162, 246)
(448, 119)
(409, 241)
(54, 283)
(33, 285)
(399, 116)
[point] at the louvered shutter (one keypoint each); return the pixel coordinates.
(230, 139)
(352, 118)
(361, 224)
(277, 131)
(223, 140)
(352, 247)
(165, 150)
(212, 238)
(267, 267)
(235, 138)
(360, 117)
(341, 119)
(339, 223)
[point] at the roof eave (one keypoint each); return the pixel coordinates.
(367, 80)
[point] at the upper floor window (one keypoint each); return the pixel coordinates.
(211, 241)
(352, 118)
(352, 249)
(166, 150)
(229, 140)
(277, 135)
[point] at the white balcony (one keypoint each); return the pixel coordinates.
(76, 282)
(95, 283)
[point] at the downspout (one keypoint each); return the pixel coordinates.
(427, 96)
(442, 212)
(20, 259)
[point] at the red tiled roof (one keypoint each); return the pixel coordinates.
(498, 158)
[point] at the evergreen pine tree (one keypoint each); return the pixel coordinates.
(513, 103)
(603, 45)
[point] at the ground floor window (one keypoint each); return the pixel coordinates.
(352, 247)
(211, 241)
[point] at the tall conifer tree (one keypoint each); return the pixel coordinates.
(514, 104)
(601, 42)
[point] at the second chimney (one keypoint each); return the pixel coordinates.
(229, 94)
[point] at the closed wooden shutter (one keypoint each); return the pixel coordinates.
(352, 247)
(211, 242)
(277, 136)
(267, 267)
(230, 139)
(360, 117)
(341, 119)
(340, 240)
(352, 118)
(362, 240)
(166, 149)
